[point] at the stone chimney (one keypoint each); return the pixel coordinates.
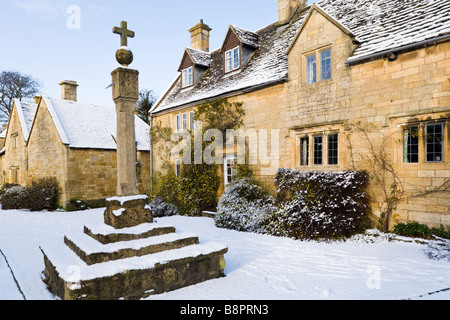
(286, 9)
(36, 99)
(69, 90)
(200, 37)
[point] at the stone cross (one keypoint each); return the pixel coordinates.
(124, 33)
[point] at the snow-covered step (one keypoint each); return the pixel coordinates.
(131, 278)
(107, 234)
(91, 251)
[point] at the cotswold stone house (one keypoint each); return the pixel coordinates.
(71, 141)
(336, 78)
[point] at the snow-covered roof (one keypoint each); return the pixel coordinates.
(246, 36)
(199, 57)
(378, 25)
(26, 112)
(88, 126)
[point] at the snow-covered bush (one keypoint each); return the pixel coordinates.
(438, 249)
(15, 198)
(320, 204)
(160, 208)
(245, 206)
(39, 195)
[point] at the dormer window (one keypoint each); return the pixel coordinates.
(188, 77)
(232, 59)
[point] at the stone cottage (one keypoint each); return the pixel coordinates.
(336, 82)
(71, 141)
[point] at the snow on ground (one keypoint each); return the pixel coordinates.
(259, 267)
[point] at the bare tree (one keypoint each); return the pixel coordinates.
(15, 85)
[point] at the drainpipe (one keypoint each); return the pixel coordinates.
(151, 153)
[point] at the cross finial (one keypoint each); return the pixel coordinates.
(124, 33)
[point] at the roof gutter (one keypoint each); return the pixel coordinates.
(229, 94)
(388, 53)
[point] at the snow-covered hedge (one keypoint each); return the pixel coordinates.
(309, 205)
(321, 204)
(39, 195)
(245, 206)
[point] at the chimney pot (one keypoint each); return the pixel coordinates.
(69, 90)
(36, 99)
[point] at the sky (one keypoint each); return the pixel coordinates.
(56, 40)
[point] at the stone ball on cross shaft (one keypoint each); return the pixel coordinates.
(124, 56)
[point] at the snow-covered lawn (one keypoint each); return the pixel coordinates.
(258, 267)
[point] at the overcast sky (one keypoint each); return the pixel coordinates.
(55, 40)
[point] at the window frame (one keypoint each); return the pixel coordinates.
(330, 60)
(441, 124)
(178, 123)
(232, 62)
(187, 77)
(333, 153)
(407, 144)
(184, 121)
(191, 120)
(308, 72)
(226, 177)
(304, 151)
(318, 151)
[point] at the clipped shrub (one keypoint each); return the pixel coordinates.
(317, 205)
(43, 195)
(418, 230)
(165, 186)
(160, 208)
(245, 206)
(198, 187)
(15, 198)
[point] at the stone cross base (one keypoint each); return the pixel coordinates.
(104, 263)
(127, 212)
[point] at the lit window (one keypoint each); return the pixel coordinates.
(232, 60)
(318, 150)
(188, 79)
(311, 69)
(411, 145)
(304, 151)
(333, 149)
(434, 142)
(325, 58)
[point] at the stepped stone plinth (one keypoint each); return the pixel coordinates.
(105, 263)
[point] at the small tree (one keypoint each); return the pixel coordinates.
(146, 101)
(14, 85)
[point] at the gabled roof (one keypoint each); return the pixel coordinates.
(88, 126)
(247, 37)
(198, 57)
(377, 25)
(26, 112)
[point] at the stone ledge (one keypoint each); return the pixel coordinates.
(132, 278)
(92, 252)
(106, 234)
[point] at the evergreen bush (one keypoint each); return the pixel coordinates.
(317, 205)
(15, 198)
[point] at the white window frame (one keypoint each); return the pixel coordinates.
(184, 121)
(227, 164)
(188, 77)
(232, 59)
